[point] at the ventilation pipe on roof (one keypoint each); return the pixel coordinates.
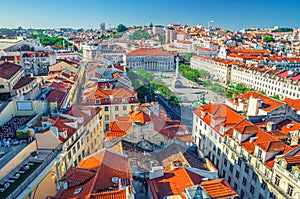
(204, 179)
(270, 126)
(252, 139)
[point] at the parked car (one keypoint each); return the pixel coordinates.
(15, 142)
(23, 141)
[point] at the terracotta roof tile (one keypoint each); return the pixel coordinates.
(57, 95)
(23, 82)
(173, 183)
(94, 175)
(218, 189)
(148, 52)
(139, 116)
(287, 126)
(88, 113)
(272, 145)
(75, 176)
(293, 159)
(8, 70)
(113, 96)
(293, 103)
(269, 104)
(245, 127)
(220, 112)
(118, 194)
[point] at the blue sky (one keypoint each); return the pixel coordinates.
(229, 14)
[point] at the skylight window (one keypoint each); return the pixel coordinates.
(77, 191)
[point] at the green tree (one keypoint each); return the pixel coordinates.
(104, 37)
(206, 83)
(203, 74)
(144, 74)
(22, 135)
(50, 41)
(151, 25)
(141, 34)
(261, 92)
(192, 74)
(275, 97)
(121, 28)
(268, 39)
(175, 99)
(188, 56)
(137, 27)
(217, 88)
(240, 87)
(163, 39)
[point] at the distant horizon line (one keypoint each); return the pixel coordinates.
(72, 27)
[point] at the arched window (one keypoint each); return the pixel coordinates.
(26, 48)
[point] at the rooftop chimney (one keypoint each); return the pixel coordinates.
(156, 172)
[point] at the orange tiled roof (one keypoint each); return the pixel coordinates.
(118, 194)
(271, 104)
(250, 51)
(261, 137)
(293, 103)
(267, 141)
(139, 116)
(57, 95)
(88, 113)
(75, 176)
(121, 126)
(8, 70)
(218, 189)
(276, 145)
(23, 82)
(288, 126)
(94, 176)
(245, 127)
(293, 159)
(148, 52)
(63, 127)
(173, 183)
(219, 111)
(113, 96)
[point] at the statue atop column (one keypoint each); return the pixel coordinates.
(176, 82)
(177, 67)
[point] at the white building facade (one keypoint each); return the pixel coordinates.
(219, 70)
(267, 80)
(151, 59)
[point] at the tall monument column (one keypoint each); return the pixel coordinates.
(177, 66)
(176, 82)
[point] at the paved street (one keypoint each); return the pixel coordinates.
(188, 95)
(79, 90)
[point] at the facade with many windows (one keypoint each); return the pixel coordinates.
(247, 147)
(219, 69)
(114, 102)
(151, 59)
(79, 130)
(273, 82)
